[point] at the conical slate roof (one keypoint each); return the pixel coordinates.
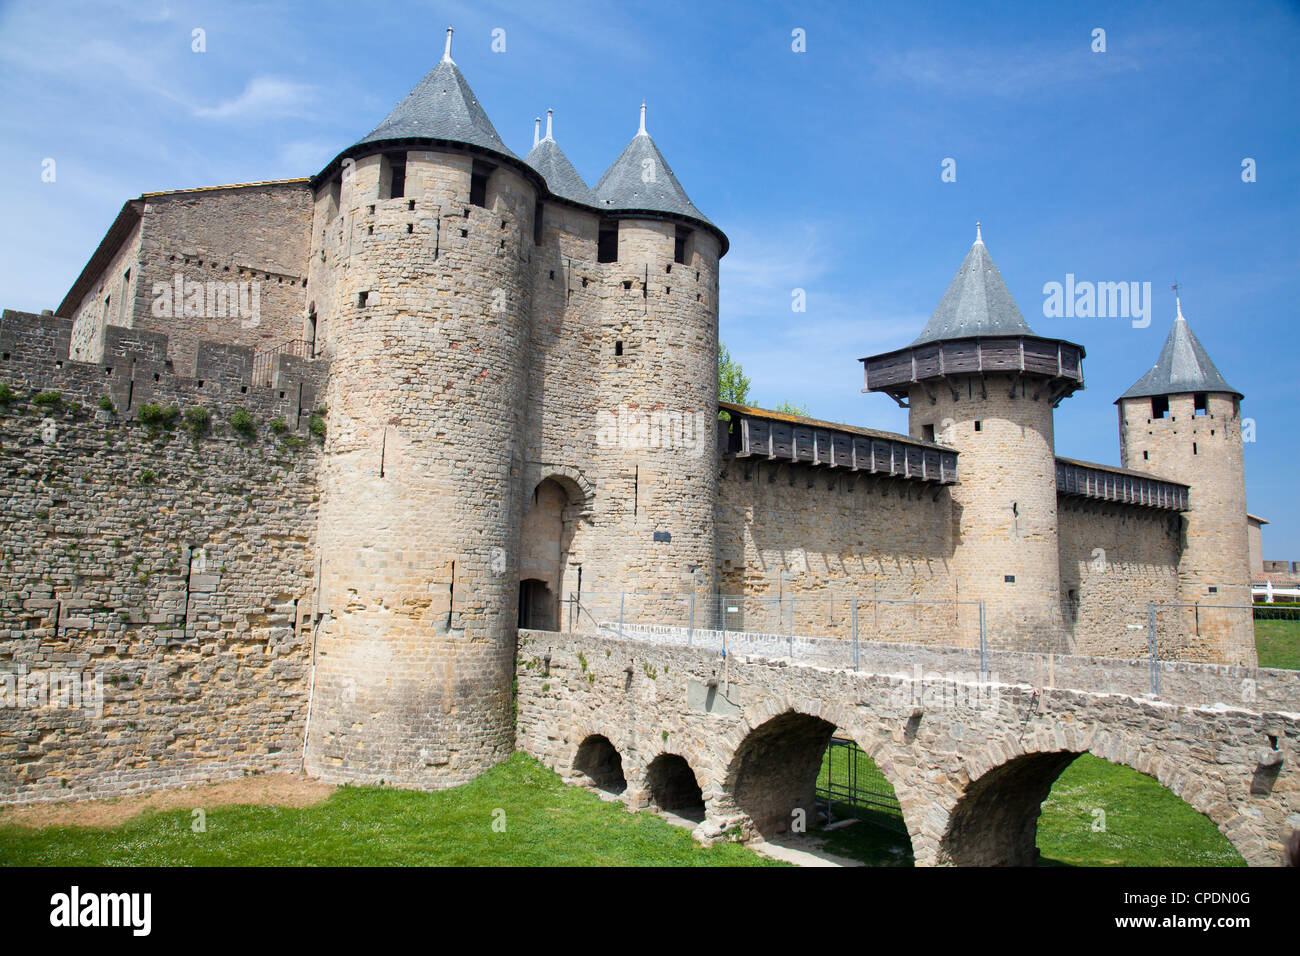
(561, 178)
(977, 302)
(1183, 366)
(641, 179)
(442, 106)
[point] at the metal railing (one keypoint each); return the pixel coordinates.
(781, 626)
(264, 362)
(1200, 632)
(850, 782)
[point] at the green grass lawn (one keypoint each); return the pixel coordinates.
(1278, 643)
(546, 824)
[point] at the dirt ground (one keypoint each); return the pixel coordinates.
(279, 790)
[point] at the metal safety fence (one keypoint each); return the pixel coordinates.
(851, 785)
(826, 630)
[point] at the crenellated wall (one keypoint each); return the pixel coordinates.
(162, 574)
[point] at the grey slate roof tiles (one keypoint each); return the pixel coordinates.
(1183, 366)
(642, 179)
(561, 178)
(442, 106)
(977, 303)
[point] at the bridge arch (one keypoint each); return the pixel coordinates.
(673, 786)
(772, 764)
(994, 820)
(600, 763)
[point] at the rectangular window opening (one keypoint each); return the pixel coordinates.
(618, 348)
(1201, 406)
(607, 242)
(537, 225)
(1160, 406)
(478, 180)
(679, 244)
(979, 426)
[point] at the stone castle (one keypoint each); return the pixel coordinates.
(293, 461)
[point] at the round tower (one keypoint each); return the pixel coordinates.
(419, 266)
(1181, 421)
(657, 256)
(980, 380)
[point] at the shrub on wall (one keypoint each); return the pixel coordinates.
(243, 423)
(198, 420)
(156, 417)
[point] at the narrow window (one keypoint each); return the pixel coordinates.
(679, 244)
(1194, 451)
(478, 180)
(361, 299)
(607, 242)
(979, 426)
(537, 224)
(309, 333)
(1200, 407)
(1160, 406)
(335, 198)
(1146, 456)
(927, 432)
(618, 348)
(396, 175)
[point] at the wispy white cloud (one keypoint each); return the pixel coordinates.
(1004, 73)
(263, 97)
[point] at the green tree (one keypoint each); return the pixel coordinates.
(733, 385)
(790, 408)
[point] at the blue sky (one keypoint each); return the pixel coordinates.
(822, 166)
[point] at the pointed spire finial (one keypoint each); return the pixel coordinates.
(537, 129)
(1178, 303)
(548, 123)
(446, 52)
(978, 237)
(642, 129)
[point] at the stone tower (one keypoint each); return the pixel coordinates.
(420, 264)
(1182, 421)
(980, 380)
(522, 404)
(664, 311)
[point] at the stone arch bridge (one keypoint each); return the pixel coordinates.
(971, 759)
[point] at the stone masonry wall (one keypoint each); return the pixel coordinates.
(812, 538)
(172, 575)
(111, 301)
(245, 247)
(1114, 560)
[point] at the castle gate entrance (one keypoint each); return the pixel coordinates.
(545, 538)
